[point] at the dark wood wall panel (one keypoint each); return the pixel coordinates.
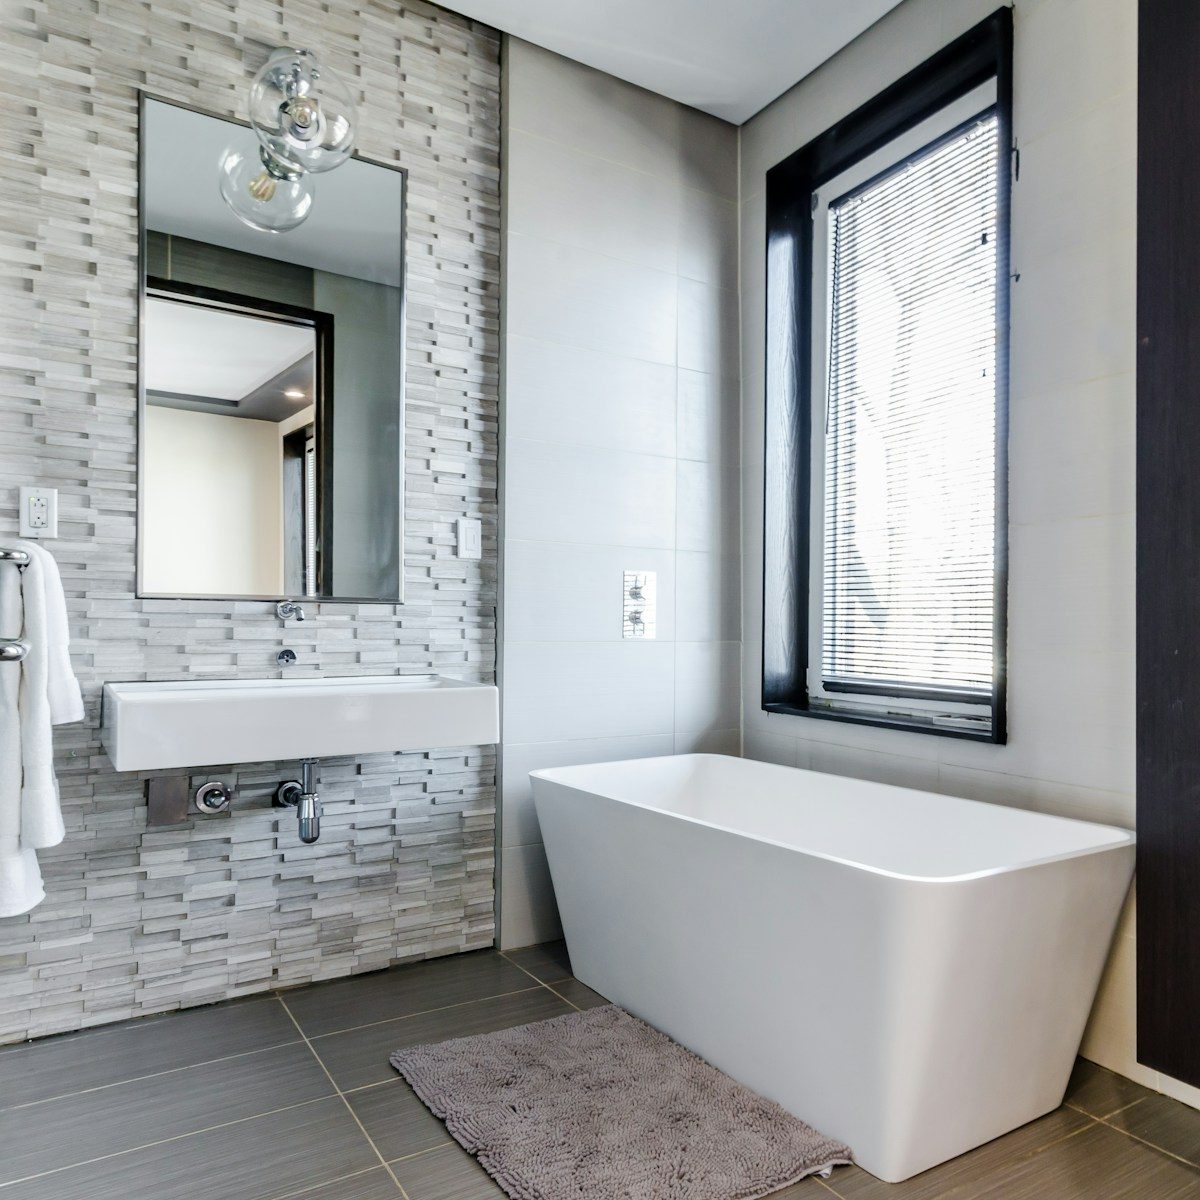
(1168, 544)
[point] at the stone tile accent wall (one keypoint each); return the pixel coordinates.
(136, 920)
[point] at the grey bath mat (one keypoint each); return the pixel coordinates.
(598, 1105)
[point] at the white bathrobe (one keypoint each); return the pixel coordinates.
(39, 692)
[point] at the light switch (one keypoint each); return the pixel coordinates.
(470, 537)
(38, 516)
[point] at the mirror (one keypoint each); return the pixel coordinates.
(271, 380)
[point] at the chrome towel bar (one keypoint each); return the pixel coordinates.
(11, 649)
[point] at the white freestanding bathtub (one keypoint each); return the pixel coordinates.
(908, 972)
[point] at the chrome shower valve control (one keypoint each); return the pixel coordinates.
(639, 602)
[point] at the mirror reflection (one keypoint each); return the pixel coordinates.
(271, 380)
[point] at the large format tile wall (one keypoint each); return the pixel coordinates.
(1071, 487)
(620, 438)
(142, 920)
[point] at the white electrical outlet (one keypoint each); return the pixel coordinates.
(470, 537)
(38, 517)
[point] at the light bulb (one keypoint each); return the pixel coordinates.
(302, 112)
(263, 192)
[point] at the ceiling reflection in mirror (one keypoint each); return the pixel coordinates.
(271, 433)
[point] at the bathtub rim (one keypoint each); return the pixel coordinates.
(1122, 838)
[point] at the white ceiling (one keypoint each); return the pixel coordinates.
(724, 57)
(180, 342)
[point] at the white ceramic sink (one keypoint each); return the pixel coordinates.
(152, 726)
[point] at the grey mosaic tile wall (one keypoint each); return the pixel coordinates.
(138, 920)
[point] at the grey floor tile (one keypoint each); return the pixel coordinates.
(367, 1185)
(1101, 1093)
(109, 1114)
(265, 1158)
(399, 1124)
(348, 1003)
(1098, 1164)
(966, 1171)
(360, 1056)
(807, 1189)
(58, 1066)
(578, 994)
(448, 1173)
(1164, 1123)
(548, 962)
(73, 1129)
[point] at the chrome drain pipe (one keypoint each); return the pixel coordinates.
(302, 795)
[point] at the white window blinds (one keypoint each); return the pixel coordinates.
(909, 553)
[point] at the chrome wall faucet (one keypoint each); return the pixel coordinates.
(287, 610)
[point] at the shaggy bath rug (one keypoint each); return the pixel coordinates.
(598, 1105)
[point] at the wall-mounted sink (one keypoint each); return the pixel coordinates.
(153, 726)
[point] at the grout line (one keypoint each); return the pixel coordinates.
(316, 1037)
(1120, 1109)
(273, 996)
(368, 1087)
(427, 1150)
(135, 1024)
(179, 1137)
(1133, 1137)
(100, 1087)
(540, 982)
(1058, 1141)
(309, 1188)
(563, 998)
(379, 1083)
(301, 1039)
(342, 1097)
(1103, 1120)
(953, 1189)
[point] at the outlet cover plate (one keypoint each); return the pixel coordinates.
(38, 513)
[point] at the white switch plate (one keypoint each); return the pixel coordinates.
(38, 516)
(470, 537)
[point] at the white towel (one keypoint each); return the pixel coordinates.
(66, 701)
(33, 606)
(20, 878)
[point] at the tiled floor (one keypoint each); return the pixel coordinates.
(291, 1095)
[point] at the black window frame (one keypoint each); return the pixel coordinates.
(982, 54)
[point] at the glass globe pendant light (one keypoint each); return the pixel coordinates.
(263, 191)
(302, 112)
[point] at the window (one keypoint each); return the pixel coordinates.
(884, 580)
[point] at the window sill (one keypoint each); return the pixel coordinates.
(991, 737)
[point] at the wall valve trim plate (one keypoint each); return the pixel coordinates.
(213, 798)
(639, 605)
